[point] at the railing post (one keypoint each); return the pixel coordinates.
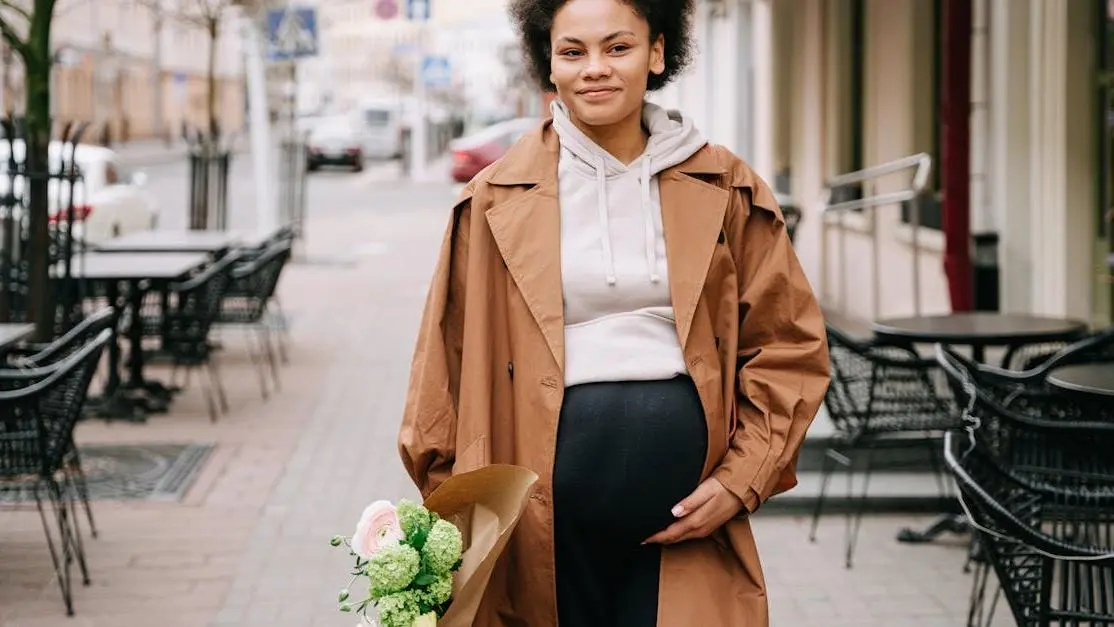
(923, 164)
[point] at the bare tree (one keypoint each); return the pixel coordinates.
(25, 27)
(210, 16)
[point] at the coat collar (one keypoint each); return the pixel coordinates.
(526, 227)
(533, 160)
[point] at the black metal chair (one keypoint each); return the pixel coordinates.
(35, 357)
(193, 308)
(1088, 346)
(881, 396)
(247, 302)
(1052, 445)
(1050, 543)
(1027, 390)
(36, 436)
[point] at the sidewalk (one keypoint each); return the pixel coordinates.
(247, 545)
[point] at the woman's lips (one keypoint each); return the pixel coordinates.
(597, 94)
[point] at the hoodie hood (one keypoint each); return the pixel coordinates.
(673, 139)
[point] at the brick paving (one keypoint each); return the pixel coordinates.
(248, 545)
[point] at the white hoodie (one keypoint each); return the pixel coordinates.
(619, 322)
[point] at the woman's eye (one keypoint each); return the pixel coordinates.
(569, 53)
(620, 48)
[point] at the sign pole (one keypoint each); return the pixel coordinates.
(266, 210)
(419, 10)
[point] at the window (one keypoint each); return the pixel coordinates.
(931, 208)
(846, 115)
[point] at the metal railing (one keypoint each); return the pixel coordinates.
(912, 195)
(22, 251)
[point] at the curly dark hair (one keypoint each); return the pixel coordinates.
(672, 19)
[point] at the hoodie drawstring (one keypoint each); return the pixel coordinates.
(648, 216)
(605, 224)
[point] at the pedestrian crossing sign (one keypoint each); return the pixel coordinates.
(291, 33)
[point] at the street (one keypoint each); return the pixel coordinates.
(330, 190)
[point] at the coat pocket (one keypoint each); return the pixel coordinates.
(471, 457)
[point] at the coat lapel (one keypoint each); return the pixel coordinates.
(692, 215)
(525, 223)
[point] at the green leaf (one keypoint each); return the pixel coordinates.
(424, 579)
(457, 565)
(418, 538)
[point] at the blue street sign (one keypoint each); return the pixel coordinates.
(417, 10)
(291, 33)
(436, 71)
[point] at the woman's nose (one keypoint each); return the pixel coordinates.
(597, 67)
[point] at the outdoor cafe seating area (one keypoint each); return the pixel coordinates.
(1022, 446)
(153, 296)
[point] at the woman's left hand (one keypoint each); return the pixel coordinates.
(701, 513)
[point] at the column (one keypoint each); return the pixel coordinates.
(807, 130)
(1008, 153)
(1048, 156)
(761, 88)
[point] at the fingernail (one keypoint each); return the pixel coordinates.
(678, 511)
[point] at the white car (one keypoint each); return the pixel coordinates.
(105, 205)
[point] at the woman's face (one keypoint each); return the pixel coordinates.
(602, 56)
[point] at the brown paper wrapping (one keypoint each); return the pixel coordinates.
(485, 504)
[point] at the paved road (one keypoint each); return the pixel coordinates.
(329, 191)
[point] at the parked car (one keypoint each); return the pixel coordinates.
(336, 141)
(475, 152)
(106, 203)
(383, 121)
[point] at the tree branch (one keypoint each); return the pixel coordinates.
(12, 38)
(15, 8)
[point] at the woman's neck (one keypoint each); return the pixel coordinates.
(625, 140)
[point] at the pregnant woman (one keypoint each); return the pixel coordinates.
(617, 307)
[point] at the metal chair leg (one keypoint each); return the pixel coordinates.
(82, 487)
(826, 471)
(270, 353)
(218, 383)
(257, 361)
(210, 399)
(61, 561)
(854, 522)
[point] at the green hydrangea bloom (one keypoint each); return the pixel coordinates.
(438, 592)
(392, 569)
(443, 547)
(399, 609)
(413, 517)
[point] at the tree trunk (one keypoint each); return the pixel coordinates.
(214, 31)
(37, 61)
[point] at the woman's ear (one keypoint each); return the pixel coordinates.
(657, 55)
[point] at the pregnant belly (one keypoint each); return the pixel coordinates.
(627, 452)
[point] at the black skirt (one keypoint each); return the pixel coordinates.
(627, 452)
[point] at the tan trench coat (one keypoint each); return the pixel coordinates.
(486, 382)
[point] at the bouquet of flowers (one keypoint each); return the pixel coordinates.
(428, 565)
(409, 555)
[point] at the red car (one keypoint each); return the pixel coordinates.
(475, 152)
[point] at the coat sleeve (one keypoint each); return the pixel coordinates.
(427, 437)
(783, 352)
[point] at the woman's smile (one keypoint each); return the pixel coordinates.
(597, 94)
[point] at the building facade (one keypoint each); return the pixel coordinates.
(141, 73)
(807, 90)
